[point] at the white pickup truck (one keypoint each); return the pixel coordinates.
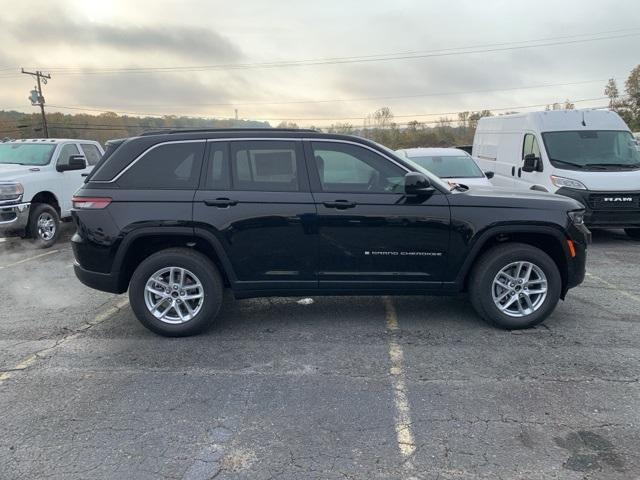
(38, 177)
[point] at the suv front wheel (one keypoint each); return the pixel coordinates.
(176, 292)
(515, 286)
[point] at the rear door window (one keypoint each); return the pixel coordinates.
(217, 176)
(168, 166)
(91, 152)
(269, 166)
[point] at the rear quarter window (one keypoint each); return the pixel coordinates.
(169, 166)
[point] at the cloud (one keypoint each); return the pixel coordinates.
(194, 42)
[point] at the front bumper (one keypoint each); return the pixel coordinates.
(615, 214)
(14, 217)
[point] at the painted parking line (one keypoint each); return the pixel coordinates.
(615, 287)
(35, 257)
(33, 358)
(404, 433)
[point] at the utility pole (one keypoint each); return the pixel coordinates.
(36, 96)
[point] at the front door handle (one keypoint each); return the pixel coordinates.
(340, 204)
(221, 202)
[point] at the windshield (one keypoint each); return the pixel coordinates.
(25, 153)
(460, 166)
(592, 149)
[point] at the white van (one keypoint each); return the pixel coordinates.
(589, 155)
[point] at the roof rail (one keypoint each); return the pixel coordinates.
(166, 131)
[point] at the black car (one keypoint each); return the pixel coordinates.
(176, 217)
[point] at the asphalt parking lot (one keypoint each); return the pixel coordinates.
(341, 387)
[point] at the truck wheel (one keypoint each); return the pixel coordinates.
(515, 286)
(633, 233)
(176, 292)
(44, 224)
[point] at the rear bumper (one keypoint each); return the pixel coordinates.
(14, 217)
(107, 282)
(610, 217)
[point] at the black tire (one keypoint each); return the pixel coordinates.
(488, 267)
(196, 263)
(44, 237)
(633, 233)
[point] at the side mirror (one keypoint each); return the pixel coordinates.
(416, 183)
(489, 174)
(76, 162)
(532, 163)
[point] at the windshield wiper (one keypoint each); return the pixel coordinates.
(624, 165)
(567, 163)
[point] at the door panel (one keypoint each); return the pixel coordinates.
(370, 235)
(70, 180)
(268, 236)
(530, 145)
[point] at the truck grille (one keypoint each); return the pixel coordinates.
(614, 201)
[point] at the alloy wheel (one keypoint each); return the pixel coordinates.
(519, 289)
(174, 295)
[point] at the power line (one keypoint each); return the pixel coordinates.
(357, 99)
(496, 47)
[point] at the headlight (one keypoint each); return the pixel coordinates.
(567, 182)
(577, 217)
(10, 191)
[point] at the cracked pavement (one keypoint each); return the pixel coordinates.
(281, 389)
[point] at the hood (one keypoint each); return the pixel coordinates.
(471, 182)
(507, 197)
(603, 180)
(11, 171)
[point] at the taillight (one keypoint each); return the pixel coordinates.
(90, 203)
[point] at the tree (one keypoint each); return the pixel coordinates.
(475, 116)
(463, 118)
(632, 88)
(285, 124)
(611, 91)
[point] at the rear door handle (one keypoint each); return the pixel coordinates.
(221, 202)
(340, 204)
(84, 174)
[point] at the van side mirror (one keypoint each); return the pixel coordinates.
(532, 163)
(76, 162)
(489, 174)
(416, 183)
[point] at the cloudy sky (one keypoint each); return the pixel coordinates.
(206, 58)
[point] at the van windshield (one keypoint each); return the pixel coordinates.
(26, 153)
(592, 150)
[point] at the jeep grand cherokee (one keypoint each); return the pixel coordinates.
(176, 217)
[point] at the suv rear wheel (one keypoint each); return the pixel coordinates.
(176, 292)
(44, 224)
(515, 286)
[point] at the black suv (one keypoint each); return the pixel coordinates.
(177, 216)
